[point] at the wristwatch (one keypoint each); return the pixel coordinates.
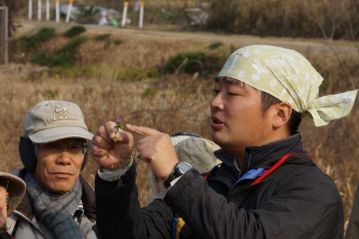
(180, 169)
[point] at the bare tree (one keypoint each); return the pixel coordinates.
(328, 21)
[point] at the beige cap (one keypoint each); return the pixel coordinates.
(53, 120)
(16, 188)
(197, 151)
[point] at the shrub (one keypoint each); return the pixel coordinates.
(135, 74)
(192, 62)
(74, 31)
(103, 37)
(65, 56)
(34, 41)
(215, 45)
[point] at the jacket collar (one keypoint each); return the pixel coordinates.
(266, 155)
(88, 200)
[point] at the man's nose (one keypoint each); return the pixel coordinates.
(217, 102)
(64, 158)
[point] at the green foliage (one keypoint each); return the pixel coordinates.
(103, 37)
(50, 94)
(74, 31)
(149, 92)
(135, 74)
(215, 45)
(85, 71)
(33, 42)
(106, 38)
(192, 62)
(65, 56)
(116, 42)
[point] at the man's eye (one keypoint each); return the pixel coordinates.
(233, 94)
(76, 147)
(50, 146)
(215, 91)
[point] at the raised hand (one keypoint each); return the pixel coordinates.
(156, 149)
(112, 146)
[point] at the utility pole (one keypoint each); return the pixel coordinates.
(124, 14)
(4, 34)
(142, 7)
(30, 9)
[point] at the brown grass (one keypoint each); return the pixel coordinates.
(324, 18)
(169, 103)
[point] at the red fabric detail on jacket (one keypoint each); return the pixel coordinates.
(272, 169)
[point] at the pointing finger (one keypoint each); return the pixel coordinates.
(141, 130)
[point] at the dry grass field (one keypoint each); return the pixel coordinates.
(116, 79)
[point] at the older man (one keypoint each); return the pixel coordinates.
(59, 203)
(267, 186)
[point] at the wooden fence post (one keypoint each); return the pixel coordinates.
(4, 35)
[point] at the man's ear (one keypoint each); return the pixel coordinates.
(281, 114)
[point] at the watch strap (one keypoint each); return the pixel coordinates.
(171, 177)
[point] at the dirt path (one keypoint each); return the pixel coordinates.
(300, 44)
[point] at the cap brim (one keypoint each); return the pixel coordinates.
(58, 133)
(15, 187)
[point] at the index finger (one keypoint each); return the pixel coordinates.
(141, 130)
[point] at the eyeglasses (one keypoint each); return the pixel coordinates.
(4, 184)
(74, 148)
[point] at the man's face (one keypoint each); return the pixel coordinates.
(237, 119)
(3, 206)
(59, 164)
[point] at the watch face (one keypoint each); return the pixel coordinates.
(183, 167)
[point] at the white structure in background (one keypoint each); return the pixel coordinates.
(196, 16)
(48, 10)
(30, 9)
(57, 6)
(72, 12)
(124, 14)
(65, 9)
(39, 10)
(4, 35)
(69, 11)
(48, 7)
(142, 8)
(139, 5)
(103, 20)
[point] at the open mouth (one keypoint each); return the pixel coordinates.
(216, 123)
(216, 120)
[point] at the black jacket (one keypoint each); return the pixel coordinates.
(296, 201)
(353, 226)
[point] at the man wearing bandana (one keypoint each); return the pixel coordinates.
(267, 186)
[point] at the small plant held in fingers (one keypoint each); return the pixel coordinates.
(119, 126)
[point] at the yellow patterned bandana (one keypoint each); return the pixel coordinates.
(289, 77)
